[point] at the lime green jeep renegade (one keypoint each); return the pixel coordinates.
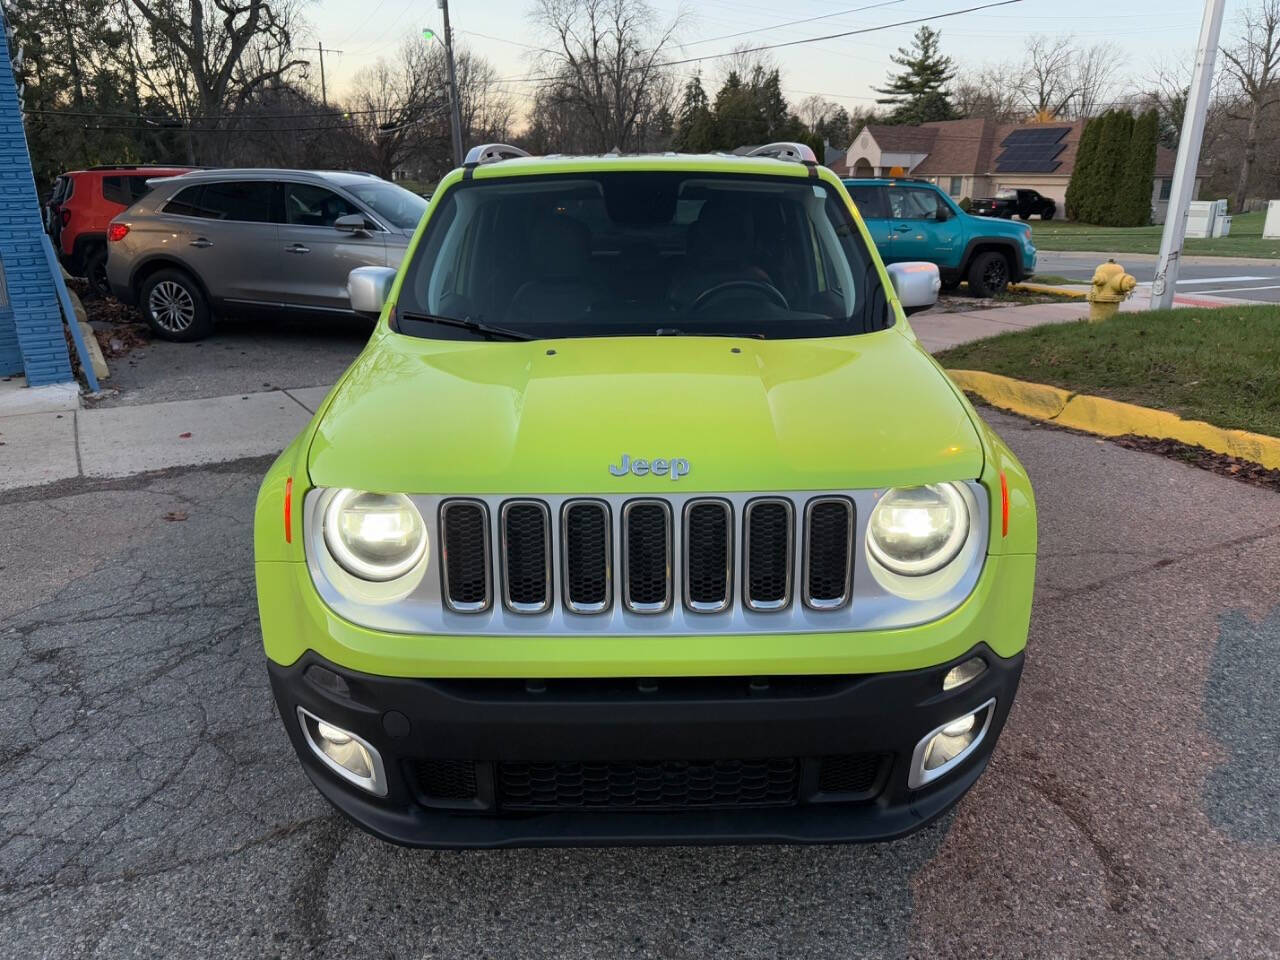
(644, 518)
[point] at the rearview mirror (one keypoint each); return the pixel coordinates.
(353, 223)
(368, 289)
(916, 283)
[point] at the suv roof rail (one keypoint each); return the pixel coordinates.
(492, 153)
(795, 152)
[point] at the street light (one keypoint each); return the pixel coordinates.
(455, 112)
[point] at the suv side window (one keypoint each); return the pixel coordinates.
(310, 206)
(911, 204)
(248, 201)
(870, 201)
(124, 190)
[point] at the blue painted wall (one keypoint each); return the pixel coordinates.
(31, 339)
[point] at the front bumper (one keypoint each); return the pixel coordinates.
(475, 736)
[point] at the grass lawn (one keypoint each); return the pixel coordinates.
(1221, 365)
(1245, 240)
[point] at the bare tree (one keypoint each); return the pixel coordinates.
(1048, 85)
(1093, 76)
(198, 54)
(605, 59)
(991, 91)
(1254, 65)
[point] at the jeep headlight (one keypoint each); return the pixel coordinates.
(915, 531)
(374, 536)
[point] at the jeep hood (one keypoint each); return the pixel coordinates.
(551, 416)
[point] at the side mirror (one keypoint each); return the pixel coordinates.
(353, 223)
(944, 212)
(368, 289)
(916, 283)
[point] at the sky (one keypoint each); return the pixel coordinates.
(843, 70)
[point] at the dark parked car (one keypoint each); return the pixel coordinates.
(1025, 203)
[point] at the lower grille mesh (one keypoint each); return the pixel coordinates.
(851, 773)
(648, 785)
(447, 779)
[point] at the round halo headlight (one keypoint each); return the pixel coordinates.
(374, 536)
(915, 531)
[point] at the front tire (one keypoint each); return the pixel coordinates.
(988, 274)
(1048, 212)
(175, 307)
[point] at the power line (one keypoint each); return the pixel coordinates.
(790, 43)
(792, 23)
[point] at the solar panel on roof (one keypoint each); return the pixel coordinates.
(1035, 135)
(1031, 151)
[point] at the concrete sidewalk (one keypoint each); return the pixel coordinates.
(57, 444)
(120, 441)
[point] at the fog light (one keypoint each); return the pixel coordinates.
(346, 754)
(962, 673)
(946, 747)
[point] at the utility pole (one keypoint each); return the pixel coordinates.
(319, 48)
(455, 110)
(1184, 170)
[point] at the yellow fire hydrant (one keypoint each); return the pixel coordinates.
(1111, 285)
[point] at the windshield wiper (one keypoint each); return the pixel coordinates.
(466, 323)
(677, 332)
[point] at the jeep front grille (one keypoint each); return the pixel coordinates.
(532, 553)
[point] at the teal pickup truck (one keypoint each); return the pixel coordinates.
(914, 220)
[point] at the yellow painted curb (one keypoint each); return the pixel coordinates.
(1048, 288)
(1111, 418)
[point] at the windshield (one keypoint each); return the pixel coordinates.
(394, 204)
(642, 254)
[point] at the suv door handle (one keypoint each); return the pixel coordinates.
(297, 248)
(201, 242)
(904, 228)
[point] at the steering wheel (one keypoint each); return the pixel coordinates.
(759, 286)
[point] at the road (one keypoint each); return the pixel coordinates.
(1221, 276)
(153, 807)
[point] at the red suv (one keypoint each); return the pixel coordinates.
(81, 205)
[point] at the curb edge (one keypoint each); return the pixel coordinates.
(1113, 418)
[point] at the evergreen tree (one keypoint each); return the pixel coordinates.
(1086, 158)
(919, 93)
(695, 131)
(1105, 204)
(739, 115)
(1140, 171)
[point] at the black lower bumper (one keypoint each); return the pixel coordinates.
(490, 763)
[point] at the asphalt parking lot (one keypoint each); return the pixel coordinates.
(153, 807)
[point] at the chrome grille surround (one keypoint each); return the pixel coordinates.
(441, 536)
(630, 518)
(566, 576)
(509, 545)
(704, 606)
(419, 608)
(827, 603)
(749, 588)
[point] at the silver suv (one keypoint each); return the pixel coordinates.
(242, 240)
